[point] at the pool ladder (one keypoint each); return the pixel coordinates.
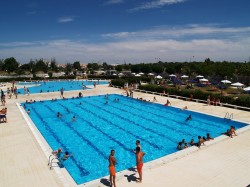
(229, 116)
(51, 159)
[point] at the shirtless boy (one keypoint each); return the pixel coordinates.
(112, 162)
(139, 162)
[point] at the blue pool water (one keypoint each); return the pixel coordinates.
(55, 86)
(100, 127)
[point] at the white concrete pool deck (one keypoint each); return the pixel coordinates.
(224, 163)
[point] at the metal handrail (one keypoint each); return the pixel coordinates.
(226, 116)
(54, 162)
(231, 116)
(50, 158)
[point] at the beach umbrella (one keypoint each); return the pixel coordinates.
(158, 77)
(120, 74)
(150, 74)
(203, 80)
(237, 84)
(141, 73)
(184, 76)
(246, 89)
(137, 75)
(114, 74)
(133, 73)
(226, 81)
(199, 76)
(172, 75)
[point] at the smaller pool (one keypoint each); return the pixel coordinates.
(55, 86)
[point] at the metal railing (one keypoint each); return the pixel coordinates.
(55, 163)
(188, 99)
(229, 116)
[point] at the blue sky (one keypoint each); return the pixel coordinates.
(131, 31)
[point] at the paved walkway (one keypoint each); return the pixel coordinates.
(226, 163)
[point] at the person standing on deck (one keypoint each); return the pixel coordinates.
(112, 163)
(139, 162)
(62, 90)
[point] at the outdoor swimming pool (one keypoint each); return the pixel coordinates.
(55, 86)
(100, 127)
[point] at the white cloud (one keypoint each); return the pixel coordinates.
(132, 51)
(181, 32)
(66, 19)
(142, 46)
(118, 35)
(156, 4)
(114, 2)
(17, 44)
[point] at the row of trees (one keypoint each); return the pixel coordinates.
(10, 65)
(206, 68)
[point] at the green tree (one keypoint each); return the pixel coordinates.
(10, 64)
(225, 69)
(105, 66)
(93, 66)
(20, 71)
(32, 65)
(68, 68)
(136, 68)
(25, 67)
(207, 61)
(146, 68)
(127, 66)
(1, 65)
(40, 65)
(76, 65)
(170, 68)
(118, 68)
(53, 65)
(157, 68)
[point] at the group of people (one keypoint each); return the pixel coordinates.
(201, 141)
(12, 91)
(111, 160)
(182, 145)
(129, 92)
(31, 101)
(80, 95)
(213, 101)
(57, 153)
(139, 163)
(59, 115)
(116, 100)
